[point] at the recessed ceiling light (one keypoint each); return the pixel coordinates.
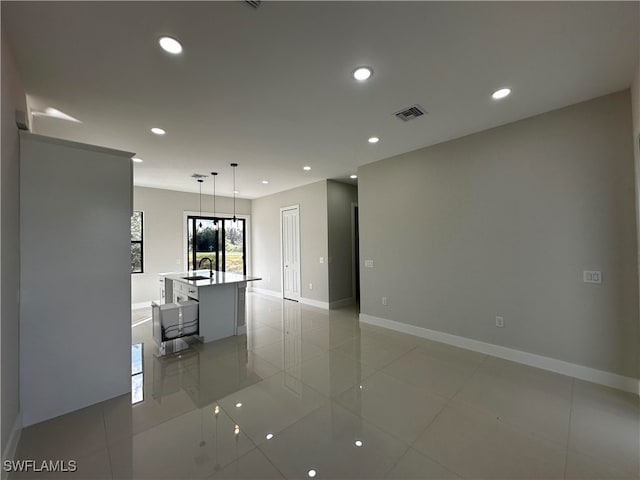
(353, 176)
(358, 443)
(307, 168)
(238, 405)
(265, 181)
(170, 44)
(269, 436)
(503, 92)
(362, 73)
(311, 473)
(373, 140)
(236, 192)
(137, 160)
(158, 131)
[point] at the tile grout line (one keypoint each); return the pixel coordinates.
(566, 455)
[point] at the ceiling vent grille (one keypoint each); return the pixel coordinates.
(253, 3)
(410, 113)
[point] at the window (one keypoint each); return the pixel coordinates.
(224, 246)
(136, 243)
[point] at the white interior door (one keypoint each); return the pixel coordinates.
(290, 232)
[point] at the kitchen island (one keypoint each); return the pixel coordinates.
(221, 300)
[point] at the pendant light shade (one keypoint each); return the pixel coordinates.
(215, 220)
(200, 185)
(234, 165)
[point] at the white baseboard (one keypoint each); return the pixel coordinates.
(344, 302)
(264, 291)
(314, 303)
(136, 306)
(10, 449)
(581, 372)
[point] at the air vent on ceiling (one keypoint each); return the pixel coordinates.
(253, 3)
(410, 113)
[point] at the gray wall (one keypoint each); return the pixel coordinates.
(504, 222)
(265, 215)
(340, 197)
(163, 232)
(12, 98)
(75, 317)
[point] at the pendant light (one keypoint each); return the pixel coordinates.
(215, 220)
(234, 165)
(200, 184)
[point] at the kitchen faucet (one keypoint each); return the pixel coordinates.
(210, 265)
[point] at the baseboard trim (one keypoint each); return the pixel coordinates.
(314, 303)
(581, 372)
(10, 449)
(344, 302)
(264, 291)
(135, 306)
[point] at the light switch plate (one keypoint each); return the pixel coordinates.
(368, 263)
(592, 276)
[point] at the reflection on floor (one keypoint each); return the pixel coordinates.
(140, 314)
(312, 392)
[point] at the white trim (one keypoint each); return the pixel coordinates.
(314, 303)
(264, 291)
(344, 302)
(136, 306)
(581, 372)
(10, 449)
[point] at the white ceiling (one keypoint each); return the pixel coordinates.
(271, 88)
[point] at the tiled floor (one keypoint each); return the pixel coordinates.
(308, 389)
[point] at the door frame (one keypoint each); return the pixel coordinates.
(282, 209)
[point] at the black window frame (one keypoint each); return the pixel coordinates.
(141, 242)
(221, 254)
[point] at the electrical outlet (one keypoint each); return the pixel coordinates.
(592, 276)
(500, 322)
(311, 286)
(384, 300)
(321, 259)
(368, 263)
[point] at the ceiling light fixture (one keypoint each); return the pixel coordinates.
(170, 45)
(234, 166)
(362, 73)
(358, 443)
(373, 140)
(354, 176)
(265, 182)
(200, 185)
(311, 473)
(502, 93)
(238, 405)
(136, 159)
(158, 131)
(307, 168)
(269, 436)
(215, 220)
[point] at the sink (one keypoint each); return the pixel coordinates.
(196, 277)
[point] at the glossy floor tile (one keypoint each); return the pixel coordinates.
(311, 389)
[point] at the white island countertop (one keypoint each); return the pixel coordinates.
(219, 278)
